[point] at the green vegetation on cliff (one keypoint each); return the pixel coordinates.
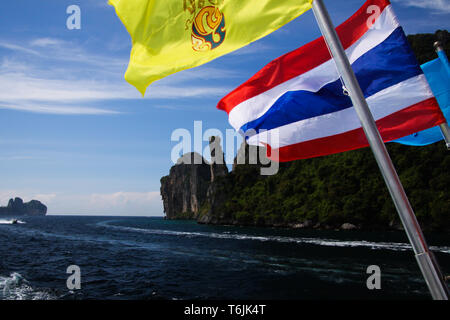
(341, 188)
(422, 44)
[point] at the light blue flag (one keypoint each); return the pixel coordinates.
(438, 76)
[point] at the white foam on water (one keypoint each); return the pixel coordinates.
(16, 287)
(4, 221)
(394, 246)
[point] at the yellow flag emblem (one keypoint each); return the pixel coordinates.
(173, 35)
(208, 29)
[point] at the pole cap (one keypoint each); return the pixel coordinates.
(438, 46)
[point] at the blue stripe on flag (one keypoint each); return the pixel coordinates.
(389, 63)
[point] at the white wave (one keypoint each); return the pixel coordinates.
(4, 221)
(395, 246)
(16, 287)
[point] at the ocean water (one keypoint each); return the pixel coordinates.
(151, 258)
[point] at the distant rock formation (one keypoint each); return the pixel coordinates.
(16, 207)
(185, 189)
(217, 166)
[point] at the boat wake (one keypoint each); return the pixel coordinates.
(16, 287)
(394, 246)
(12, 221)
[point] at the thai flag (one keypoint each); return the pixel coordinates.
(296, 104)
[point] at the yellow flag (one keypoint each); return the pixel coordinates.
(173, 35)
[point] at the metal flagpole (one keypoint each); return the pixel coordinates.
(425, 258)
(446, 133)
(444, 127)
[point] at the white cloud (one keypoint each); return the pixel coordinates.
(45, 198)
(53, 49)
(15, 47)
(122, 199)
(25, 87)
(24, 92)
(62, 78)
(441, 6)
(45, 42)
(158, 91)
(57, 110)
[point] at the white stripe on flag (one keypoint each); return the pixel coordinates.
(381, 104)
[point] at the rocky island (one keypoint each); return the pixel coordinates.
(17, 208)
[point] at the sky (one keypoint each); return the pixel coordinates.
(76, 136)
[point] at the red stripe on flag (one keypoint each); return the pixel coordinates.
(418, 117)
(302, 60)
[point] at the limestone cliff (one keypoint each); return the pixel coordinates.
(196, 189)
(16, 207)
(185, 189)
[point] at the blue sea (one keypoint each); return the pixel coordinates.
(151, 258)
